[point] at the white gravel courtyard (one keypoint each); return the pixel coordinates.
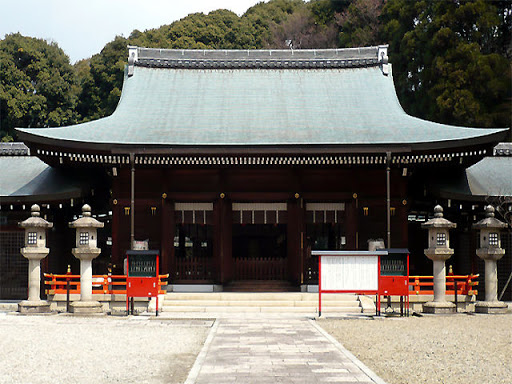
(444, 349)
(106, 349)
(449, 349)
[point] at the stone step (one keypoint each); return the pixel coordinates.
(8, 307)
(245, 309)
(259, 303)
(238, 296)
(328, 303)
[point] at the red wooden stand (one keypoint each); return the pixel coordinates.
(390, 279)
(395, 281)
(142, 276)
(367, 290)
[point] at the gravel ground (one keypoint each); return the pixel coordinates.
(70, 349)
(449, 349)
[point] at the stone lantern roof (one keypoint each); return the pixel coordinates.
(438, 221)
(86, 221)
(35, 221)
(489, 222)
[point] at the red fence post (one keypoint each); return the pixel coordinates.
(68, 278)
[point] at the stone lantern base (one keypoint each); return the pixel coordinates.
(439, 307)
(85, 307)
(28, 307)
(491, 307)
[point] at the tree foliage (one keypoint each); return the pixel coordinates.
(301, 31)
(101, 80)
(37, 85)
(447, 60)
(359, 23)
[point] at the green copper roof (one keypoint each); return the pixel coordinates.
(26, 178)
(212, 106)
(492, 176)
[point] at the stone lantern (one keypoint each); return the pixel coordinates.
(490, 251)
(35, 250)
(439, 251)
(86, 250)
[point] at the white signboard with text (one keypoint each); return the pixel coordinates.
(350, 273)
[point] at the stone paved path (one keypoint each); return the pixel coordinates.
(253, 351)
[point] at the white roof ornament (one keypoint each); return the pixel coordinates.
(382, 55)
(132, 58)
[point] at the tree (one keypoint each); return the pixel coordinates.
(359, 23)
(37, 86)
(264, 16)
(446, 62)
(300, 31)
(101, 80)
(220, 29)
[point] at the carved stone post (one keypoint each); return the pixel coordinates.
(35, 250)
(490, 251)
(439, 251)
(86, 250)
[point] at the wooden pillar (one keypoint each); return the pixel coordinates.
(167, 236)
(388, 199)
(404, 225)
(222, 237)
(352, 225)
(217, 249)
(132, 201)
(117, 259)
(294, 228)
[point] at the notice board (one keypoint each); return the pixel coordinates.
(348, 272)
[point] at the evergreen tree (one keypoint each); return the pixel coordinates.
(37, 85)
(447, 61)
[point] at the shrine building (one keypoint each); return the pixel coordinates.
(235, 164)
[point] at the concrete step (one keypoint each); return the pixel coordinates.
(258, 303)
(239, 296)
(8, 307)
(245, 309)
(328, 303)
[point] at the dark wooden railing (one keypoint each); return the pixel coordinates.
(194, 268)
(260, 268)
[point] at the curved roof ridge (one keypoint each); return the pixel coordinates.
(358, 52)
(261, 59)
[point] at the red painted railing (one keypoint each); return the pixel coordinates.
(248, 268)
(101, 284)
(424, 285)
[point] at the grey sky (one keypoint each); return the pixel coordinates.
(82, 28)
